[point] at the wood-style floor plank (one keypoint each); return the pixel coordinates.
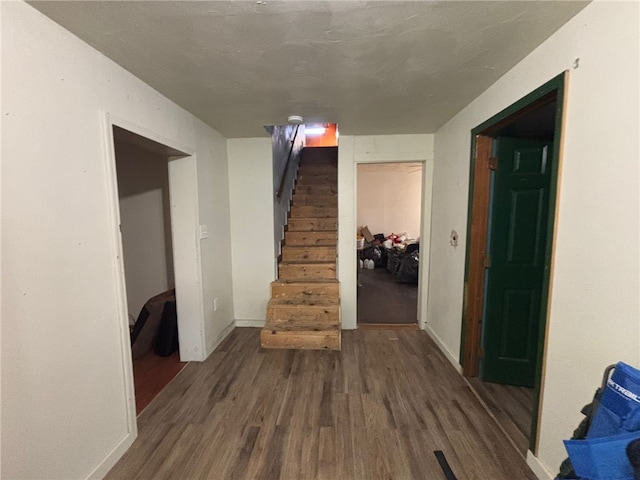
(512, 406)
(375, 410)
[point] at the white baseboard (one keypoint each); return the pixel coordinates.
(250, 323)
(539, 469)
(112, 458)
(444, 349)
(213, 344)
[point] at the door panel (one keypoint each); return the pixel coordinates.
(523, 235)
(517, 246)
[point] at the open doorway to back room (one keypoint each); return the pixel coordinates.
(145, 226)
(389, 201)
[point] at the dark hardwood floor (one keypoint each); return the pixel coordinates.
(512, 407)
(378, 409)
(382, 300)
(151, 373)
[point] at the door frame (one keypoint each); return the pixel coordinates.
(186, 253)
(477, 227)
(426, 189)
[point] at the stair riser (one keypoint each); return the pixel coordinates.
(293, 290)
(318, 170)
(320, 254)
(310, 238)
(317, 180)
(315, 200)
(294, 272)
(311, 211)
(311, 159)
(316, 190)
(321, 318)
(309, 224)
(302, 341)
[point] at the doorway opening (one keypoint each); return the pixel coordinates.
(142, 175)
(515, 165)
(389, 215)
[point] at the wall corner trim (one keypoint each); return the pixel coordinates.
(113, 456)
(450, 356)
(220, 338)
(250, 323)
(539, 469)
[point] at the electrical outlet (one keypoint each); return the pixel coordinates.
(215, 304)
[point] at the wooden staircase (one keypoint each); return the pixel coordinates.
(304, 310)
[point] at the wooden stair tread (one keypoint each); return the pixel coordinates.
(314, 219)
(289, 281)
(311, 238)
(304, 329)
(308, 232)
(316, 188)
(306, 247)
(308, 262)
(311, 301)
(301, 340)
(316, 223)
(306, 288)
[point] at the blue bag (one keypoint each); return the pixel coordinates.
(616, 423)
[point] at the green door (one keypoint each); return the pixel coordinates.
(517, 240)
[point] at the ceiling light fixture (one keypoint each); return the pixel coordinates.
(313, 131)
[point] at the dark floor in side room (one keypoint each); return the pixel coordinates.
(512, 406)
(382, 300)
(378, 409)
(151, 373)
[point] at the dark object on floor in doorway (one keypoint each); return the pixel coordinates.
(444, 465)
(605, 444)
(166, 341)
(144, 331)
(375, 253)
(408, 269)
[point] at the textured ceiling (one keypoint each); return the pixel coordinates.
(373, 67)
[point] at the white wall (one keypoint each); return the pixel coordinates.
(143, 190)
(594, 311)
(64, 400)
(389, 197)
(251, 195)
(373, 149)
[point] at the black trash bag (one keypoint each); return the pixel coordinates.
(382, 263)
(411, 247)
(373, 253)
(167, 338)
(408, 270)
(394, 256)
